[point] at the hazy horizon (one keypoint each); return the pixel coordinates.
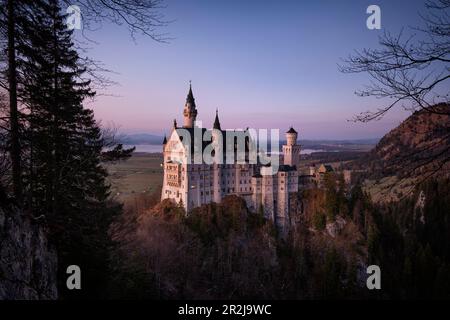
(282, 138)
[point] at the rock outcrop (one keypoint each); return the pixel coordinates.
(27, 263)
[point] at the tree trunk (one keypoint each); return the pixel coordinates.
(13, 112)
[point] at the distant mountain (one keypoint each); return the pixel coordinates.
(420, 145)
(371, 141)
(146, 138)
(340, 145)
(141, 138)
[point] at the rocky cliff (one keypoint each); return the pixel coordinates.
(27, 264)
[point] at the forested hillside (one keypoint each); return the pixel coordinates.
(223, 251)
(419, 146)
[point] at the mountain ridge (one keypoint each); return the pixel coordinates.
(418, 145)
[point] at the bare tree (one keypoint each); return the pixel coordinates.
(114, 151)
(412, 71)
(139, 16)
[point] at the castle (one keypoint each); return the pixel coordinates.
(192, 179)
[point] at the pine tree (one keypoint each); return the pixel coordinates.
(12, 15)
(66, 179)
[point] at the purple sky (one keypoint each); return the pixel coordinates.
(264, 64)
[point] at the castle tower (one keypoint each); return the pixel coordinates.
(164, 143)
(257, 193)
(189, 111)
(291, 150)
(216, 121)
(218, 153)
(282, 209)
(269, 197)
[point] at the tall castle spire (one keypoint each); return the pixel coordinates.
(189, 111)
(190, 97)
(216, 121)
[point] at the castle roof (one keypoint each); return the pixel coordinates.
(195, 143)
(291, 130)
(216, 121)
(286, 168)
(190, 97)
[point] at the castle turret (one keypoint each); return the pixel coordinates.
(291, 137)
(164, 142)
(218, 158)
(291, 150)
(216, 121)
(217, 139)
(189, 111)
